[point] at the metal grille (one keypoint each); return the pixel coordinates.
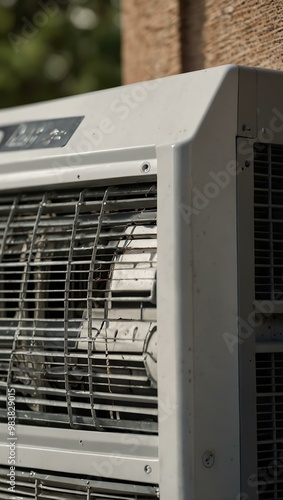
(268, 225)
(269, 377)
(32, 485)
(77, 307)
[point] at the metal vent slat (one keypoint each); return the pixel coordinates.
(77, 307)
(51, 486)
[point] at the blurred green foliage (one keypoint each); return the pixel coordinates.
(55, 48)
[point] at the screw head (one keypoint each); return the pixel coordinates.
(147, 469)
(208, 459)
(145, 168)
(247, 163)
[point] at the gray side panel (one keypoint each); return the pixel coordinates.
(270, 106)
(215, 285)
(247, 113)
(197, 297)
(246, 342)
(264, 102)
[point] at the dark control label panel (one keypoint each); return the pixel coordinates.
(39, 134)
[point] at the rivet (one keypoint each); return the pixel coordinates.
(208, 459)
(145, 168)
(148, 469)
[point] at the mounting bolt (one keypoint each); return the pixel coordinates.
(263, 130)
(145, 168)
(32, 473)
(245, 127)
(247, 163)
(148, 469)
(208, 459)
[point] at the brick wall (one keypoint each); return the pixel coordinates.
(151, 39)
(166, 37)
(248, 32)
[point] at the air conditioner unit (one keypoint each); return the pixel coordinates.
(141, 281)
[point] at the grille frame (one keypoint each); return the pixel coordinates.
(115, 455)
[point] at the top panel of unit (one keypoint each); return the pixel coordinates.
(164, 111)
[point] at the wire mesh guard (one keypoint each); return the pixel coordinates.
(268, 223)
(34, 485)
(269, 378)
(77, 307)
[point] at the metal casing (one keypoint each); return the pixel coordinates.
(183, 131)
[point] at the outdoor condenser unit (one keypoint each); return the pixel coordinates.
(141, 291)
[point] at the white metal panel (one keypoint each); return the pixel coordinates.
(197, 304)
(116, 456)
(168, 110)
